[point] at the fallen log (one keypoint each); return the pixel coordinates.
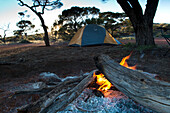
(45, 101)
(61, 102)
(146, 90)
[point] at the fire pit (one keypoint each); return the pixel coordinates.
(112, 82)
(88, 101)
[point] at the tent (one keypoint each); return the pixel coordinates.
(92, 34)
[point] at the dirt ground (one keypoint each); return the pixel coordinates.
(24, 62)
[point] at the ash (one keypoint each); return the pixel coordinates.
(113, 102)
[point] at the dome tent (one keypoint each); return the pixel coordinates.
(92, 34)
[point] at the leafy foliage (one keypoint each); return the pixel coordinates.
(74, 18)
(25, 25)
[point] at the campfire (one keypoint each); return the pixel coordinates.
(125, 64)
(104, 84)
(75, 94)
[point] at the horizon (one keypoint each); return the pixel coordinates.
(10, 15)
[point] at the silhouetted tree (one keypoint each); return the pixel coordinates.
(72, 19)
(75, 16)
(24, 25)
(38, 8)
(5, 28)
(142, 22)
(112, 20)
(18, 33)
(94, 21)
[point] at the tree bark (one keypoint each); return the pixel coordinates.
(142, 23)
(140, 87)
(46, 38)
(144, 33)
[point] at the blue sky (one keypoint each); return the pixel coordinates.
(9, 11)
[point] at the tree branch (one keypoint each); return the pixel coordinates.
(44, 6)
(125, 6)
(128, 9)
(136, 8)
(150, 10)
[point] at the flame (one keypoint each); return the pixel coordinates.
(124, 63)
(105, 85)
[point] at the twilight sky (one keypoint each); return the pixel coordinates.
(9, 12)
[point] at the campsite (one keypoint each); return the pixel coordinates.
(28, 61)
(65, 56)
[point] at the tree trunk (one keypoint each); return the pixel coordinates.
(46, 38)
(142, 22)
(142, 88)
(143, 33)
(4, 40)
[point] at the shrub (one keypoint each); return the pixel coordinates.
(31, 38)
(24, 41)
(139, 48)
(145, 47)
(130, 45)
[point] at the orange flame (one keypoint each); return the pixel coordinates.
(124, 63)
(103, 82)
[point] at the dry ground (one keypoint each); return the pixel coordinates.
(29, 60)
(32, 59)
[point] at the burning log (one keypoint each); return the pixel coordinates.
(148, 91)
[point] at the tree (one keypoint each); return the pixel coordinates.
(112, 20)
(127, 27)
(141, 22)
(5, 29)
(94, 21)
(24, 25)
(18, 33)
(72, 19)
(38, 8)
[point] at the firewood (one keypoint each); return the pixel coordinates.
(146, 90)
(61, 102)
(48, 99)
(32, 90)
(38, 91)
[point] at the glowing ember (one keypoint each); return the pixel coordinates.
(103, 82)
(124, 63)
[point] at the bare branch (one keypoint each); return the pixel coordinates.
(125, 6)
(136, 8)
